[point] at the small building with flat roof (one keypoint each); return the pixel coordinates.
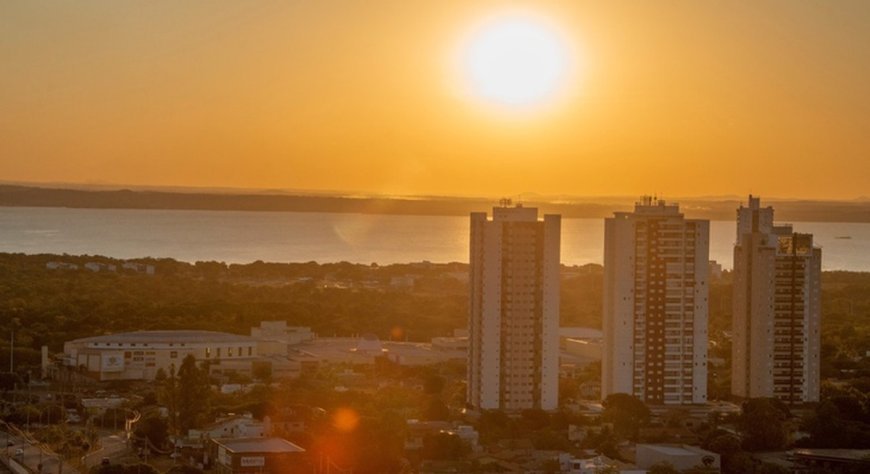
(680, 456)
(139, 355)
(258, 455)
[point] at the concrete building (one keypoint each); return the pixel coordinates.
(233, 426)
(776, 309)
(258, 455)
(513, 356)
(283, 335)
(139, 355)
(655, 304)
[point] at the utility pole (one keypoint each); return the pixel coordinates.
(27, 405)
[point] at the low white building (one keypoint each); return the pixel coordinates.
(280, 332)
(139, 267)
(233, 426)
(61, 266)
(97, 267)
(139, 355)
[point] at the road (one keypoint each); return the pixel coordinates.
(31, 455)
(110, 446)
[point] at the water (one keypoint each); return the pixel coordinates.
(242, 237)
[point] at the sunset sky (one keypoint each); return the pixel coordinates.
(680, 98)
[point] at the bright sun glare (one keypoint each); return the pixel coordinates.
(515, 61)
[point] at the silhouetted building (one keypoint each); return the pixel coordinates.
(776, 310)
(655, 304)
(513, 356)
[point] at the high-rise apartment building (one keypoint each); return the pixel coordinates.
(776, 309)
(513, 355)
(655, 304)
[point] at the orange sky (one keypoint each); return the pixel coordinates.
(677, 98)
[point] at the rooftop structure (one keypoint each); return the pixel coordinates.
(141, 355)
(682, 457)
(259, 455)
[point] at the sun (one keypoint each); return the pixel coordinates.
(515, 60)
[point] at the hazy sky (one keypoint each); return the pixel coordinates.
(677, 98)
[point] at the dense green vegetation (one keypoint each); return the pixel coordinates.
(49, 307)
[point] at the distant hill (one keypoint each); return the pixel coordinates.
(723, 209)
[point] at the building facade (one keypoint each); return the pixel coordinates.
(776, 309)
(655, 304)
(140, 355)
(258, 456)
(513, 355)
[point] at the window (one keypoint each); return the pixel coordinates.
(173, 355)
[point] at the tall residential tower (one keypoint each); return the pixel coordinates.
(776, 310)
(655, 304)
(513, 355)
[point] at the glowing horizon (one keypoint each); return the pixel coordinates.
(685, 99)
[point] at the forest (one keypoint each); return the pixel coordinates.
(43, 306)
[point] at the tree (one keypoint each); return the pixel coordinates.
(183, 469)
(535, 419)
(550, 440)
(740, 463)
(627, 413)
(436, 410)
(433, 384)
(168, 396)
(193, 394)
(839, 422)
(444, 447)
(663, 467)
(154, 429)
(8, 381)
(762, 423)
(726, 445)
(767, 468)
(722, 443)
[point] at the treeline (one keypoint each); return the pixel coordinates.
(716, 209)
(47, 307)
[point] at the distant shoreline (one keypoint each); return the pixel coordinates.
(30, 196)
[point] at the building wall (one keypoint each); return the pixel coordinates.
(619, 302)
(655, 305)
(776, 325)
(514, 310)
(140, 361)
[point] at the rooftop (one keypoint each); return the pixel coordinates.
(259, 445)
(167, 336)
(675, 449)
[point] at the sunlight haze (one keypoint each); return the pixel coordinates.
(689, 98)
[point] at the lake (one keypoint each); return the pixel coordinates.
(242, 237)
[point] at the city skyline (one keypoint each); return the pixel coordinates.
(375, 100)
